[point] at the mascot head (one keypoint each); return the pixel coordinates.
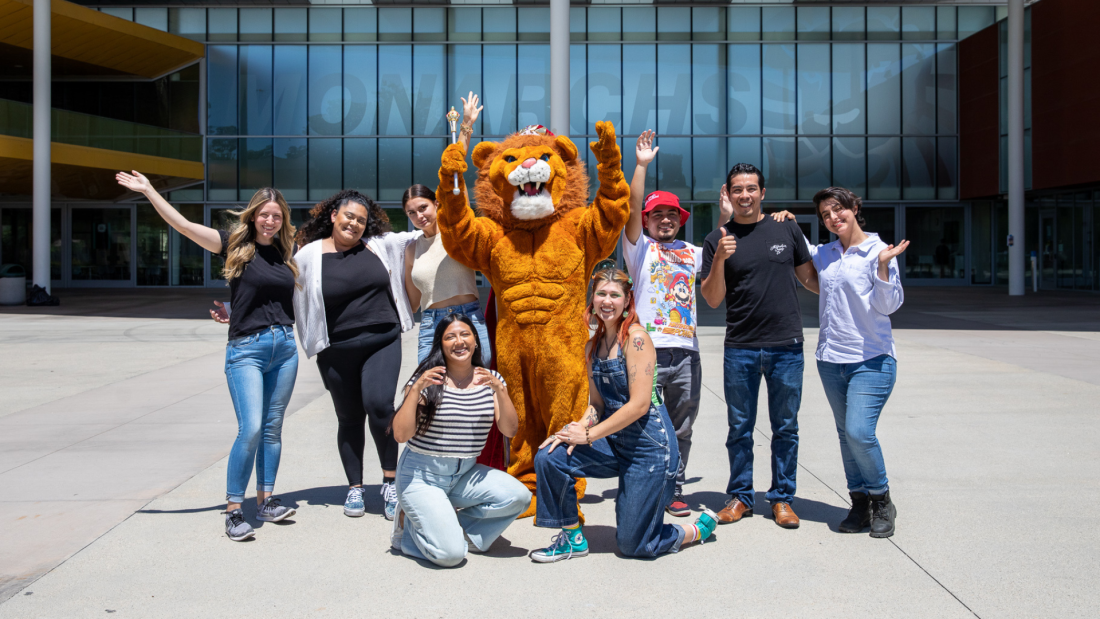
(530, 179)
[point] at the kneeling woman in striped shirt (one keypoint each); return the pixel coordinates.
(450, 404)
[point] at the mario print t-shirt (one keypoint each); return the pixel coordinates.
(664, 277)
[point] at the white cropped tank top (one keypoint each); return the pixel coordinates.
(438, 276)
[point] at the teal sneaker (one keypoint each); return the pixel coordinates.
(707, 522)
(565, 545)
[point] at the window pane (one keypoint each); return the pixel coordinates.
(534, 23)
(849, 23)
(708, 23)
(256, 25)
(673, 89)
(426, 160)
(742, 150)
(975, 18)
(813, 89)
(499, 65)
(849, 88)
(881, 221)
(290, 90)
(604, 24)
(743, 23)
(918, 82)
(395, 90)
(945, 22)
(464, 24)
(187, 257)
(708, 89)
(255, 84)
(188, 23)
(156, 18)
(324, 24)
(674, 167)
(639, 23)
(465, 76)
(883, 168)
(255, 166)
(778, 87)
(850, 164)
(361, 165)
(534, 85)
(744, 89)
(221, 24)
(360, 24)
(100, 244)
(946, 169)
(814, 172)
(709, 170)
(498, 24)
(778, 23)
(918, 23)
(361, 86)
(290, 167)
(290, 24)
(936, 249)
(919, 170)
(326, 90)
(429, 80)
(813, 23)
(673, 23)
(704, 219)
(395, 24)
(578, 89)
(605, 85)
(883, 23)
(946, 104)
(779, 168)
(429, 24)
(639, 89)
(325, 165)
(883, 89)
(221, 169)
(152, 247)
(221, 76)
(394, 167)
(577, 26)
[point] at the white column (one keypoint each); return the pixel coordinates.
(1016, 283)
(40, 219)
(559, 66)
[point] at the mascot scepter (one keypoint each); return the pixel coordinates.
(537, 242)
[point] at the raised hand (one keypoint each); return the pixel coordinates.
(136, 182)
(221, 314)
(454, 161)
(725, 205)
(431, 376)
(644, 150)
(483, 376)
(470, 109)
(605, 148)
(888, 254)
(727, 245)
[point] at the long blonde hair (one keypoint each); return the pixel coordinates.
(620, 278)
(241, 248)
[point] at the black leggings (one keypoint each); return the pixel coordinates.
(361, 375)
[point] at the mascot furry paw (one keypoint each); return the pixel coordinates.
(537, 242)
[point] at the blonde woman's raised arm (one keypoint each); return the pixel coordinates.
(207, 238)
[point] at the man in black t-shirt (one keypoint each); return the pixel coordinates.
(751, 263)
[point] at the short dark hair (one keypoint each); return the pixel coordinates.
(744, 168)
(416, 191)
(845, 198)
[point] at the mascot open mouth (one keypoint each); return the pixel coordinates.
(531, 198)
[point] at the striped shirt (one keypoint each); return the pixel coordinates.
(461, 424)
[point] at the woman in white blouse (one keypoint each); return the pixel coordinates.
(856, 358)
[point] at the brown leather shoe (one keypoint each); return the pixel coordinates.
(785, 516)
(734, 511)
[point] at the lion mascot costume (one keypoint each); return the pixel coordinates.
(537, 242)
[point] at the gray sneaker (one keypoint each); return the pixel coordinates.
(236, 528)
(272, 511)
(353, 506)
(389, 495)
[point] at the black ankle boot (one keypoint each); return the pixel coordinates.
(883, 514)
(860, 514)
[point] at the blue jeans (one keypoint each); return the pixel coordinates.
(431, 317)
(644, 457)
(781, 367)
(261, 369)
(857, 393)
(431, 488)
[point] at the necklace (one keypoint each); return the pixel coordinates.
(461, 383)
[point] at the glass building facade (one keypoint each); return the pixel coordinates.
(315, 99)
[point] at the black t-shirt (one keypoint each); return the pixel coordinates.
(264, 293)
(761, 300)
(355, 286)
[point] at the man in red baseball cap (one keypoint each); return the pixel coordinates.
(664, 270)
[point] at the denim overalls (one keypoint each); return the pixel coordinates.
(644, 457)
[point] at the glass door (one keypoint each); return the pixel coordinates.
(1048, 254)
(101, 246)
(808, 224)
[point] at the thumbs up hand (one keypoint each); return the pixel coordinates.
(727, 245)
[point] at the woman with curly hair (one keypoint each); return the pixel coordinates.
(261, 360)
(351, 312)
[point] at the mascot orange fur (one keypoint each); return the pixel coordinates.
(537, 242)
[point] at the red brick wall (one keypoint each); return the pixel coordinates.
(979, 125)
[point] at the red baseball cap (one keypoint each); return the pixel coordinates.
(664, 198)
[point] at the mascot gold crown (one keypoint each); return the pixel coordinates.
(537, 241)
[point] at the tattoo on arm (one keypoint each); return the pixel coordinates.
(591, 419)
(639, 342)
(631, 374)
(649, 369)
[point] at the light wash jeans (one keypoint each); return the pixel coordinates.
(261, 369)
(431, 488)
(857, 392)
(431, 317)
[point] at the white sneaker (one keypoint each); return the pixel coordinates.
(397, 533)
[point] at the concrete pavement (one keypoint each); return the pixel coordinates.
(990, 440)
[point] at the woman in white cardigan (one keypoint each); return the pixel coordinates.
(351, 310)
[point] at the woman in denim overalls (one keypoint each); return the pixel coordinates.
(625, 432)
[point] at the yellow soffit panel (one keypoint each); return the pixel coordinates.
(95, 38)
(88, 157)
